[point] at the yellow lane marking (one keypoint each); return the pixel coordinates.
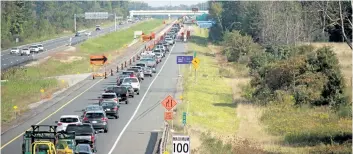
(67, 103)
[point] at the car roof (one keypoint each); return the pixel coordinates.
(69, 116)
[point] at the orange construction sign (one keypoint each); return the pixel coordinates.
(98, 60)
(168, 115)
(169, 103)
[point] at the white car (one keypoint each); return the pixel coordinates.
(142, 76)
(40, 46)
(66, 120)
(34, 48)
(158, 51)
(15, 51)
(134, 82)
(25, 51)
(88, 33)
(169, 40)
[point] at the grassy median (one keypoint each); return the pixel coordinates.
(24, 84)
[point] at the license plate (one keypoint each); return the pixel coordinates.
(108, 109)
(94, 122)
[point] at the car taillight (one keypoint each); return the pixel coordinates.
(85, 119)
(115, 99)
(127, 94)
(92, 138)
(59, 124)
(115, 108)
(104, 119)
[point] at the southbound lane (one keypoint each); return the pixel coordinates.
(88, 96)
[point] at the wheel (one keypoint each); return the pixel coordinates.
(126, 102)
(138, 93)
(116, 116)
(132, 96)
(106, 130)
(151, 75)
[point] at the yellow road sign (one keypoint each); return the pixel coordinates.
(42, 90)
(195, 63)
(165, 152)
(15, 107)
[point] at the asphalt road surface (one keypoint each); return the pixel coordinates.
(8, 60)
(134, 132)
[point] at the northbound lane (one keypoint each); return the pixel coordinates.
(148, 118)
(8, 60)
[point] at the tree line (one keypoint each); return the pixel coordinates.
(28, 20)
(268, 37)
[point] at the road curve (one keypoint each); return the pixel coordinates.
(138, 136)
(8, 60)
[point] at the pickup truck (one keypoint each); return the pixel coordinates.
(84, 134)
(25, 51)
(34, 48)
(15, 51)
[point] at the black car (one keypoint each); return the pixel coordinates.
(84, 133)
(130, 89)
(111, 108)
(120, 91)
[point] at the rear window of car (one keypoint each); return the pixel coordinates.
(108, 96)
(92, 108)
(157, 51)
(110, 88)
(40, 45)
(127, 73)
(108, 104)
(142, 65)
(157, 54)
(14, 48)
(33, 46)
(68, 120)
(132, 69)
(130, 80)
(94, 115)
(79, 129)
(121, 89)
(83, 149)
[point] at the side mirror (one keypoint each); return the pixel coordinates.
(56, 122)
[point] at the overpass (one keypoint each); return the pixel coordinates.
(165, 12)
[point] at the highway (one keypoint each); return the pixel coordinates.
(134, 132)
(8, 60)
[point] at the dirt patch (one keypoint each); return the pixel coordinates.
(36, 63)
(67, 55)
(71, 59)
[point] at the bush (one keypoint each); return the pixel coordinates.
(236, 46)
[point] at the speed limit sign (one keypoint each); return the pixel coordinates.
(181, 144)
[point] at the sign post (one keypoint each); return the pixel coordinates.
(181, 144)
(183, 60)
(184, 121)
(169, 103)
(195, 63)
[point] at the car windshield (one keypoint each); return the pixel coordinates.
(68, 120)
(40, 45)
(108, 104)
(157, 54)
(105, 96)
(130, 80)
(93, 108)
(80, 129)
(127, 73)
(168, 39)
(157, 51)
(14, 48)
(110, 88)
(33, 46)
(94, 115)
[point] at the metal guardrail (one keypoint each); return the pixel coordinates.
(164, 139)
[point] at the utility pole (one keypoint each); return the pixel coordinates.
(75, 22)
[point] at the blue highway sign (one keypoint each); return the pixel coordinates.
(184, 59)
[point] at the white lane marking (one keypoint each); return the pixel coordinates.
(17, 60)
(137, 108)
(11, 62)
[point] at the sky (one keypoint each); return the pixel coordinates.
(157, 3)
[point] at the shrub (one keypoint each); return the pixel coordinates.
(236, 45)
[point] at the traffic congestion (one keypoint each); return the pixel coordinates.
(78, 133)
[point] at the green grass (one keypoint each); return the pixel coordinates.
(24, 85)
(118, 39)
(211, 104)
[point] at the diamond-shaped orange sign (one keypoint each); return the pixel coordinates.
(169, 103)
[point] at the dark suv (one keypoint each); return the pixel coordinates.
(98, 119)
(111, 108)
(85, 134)
(120, 91)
